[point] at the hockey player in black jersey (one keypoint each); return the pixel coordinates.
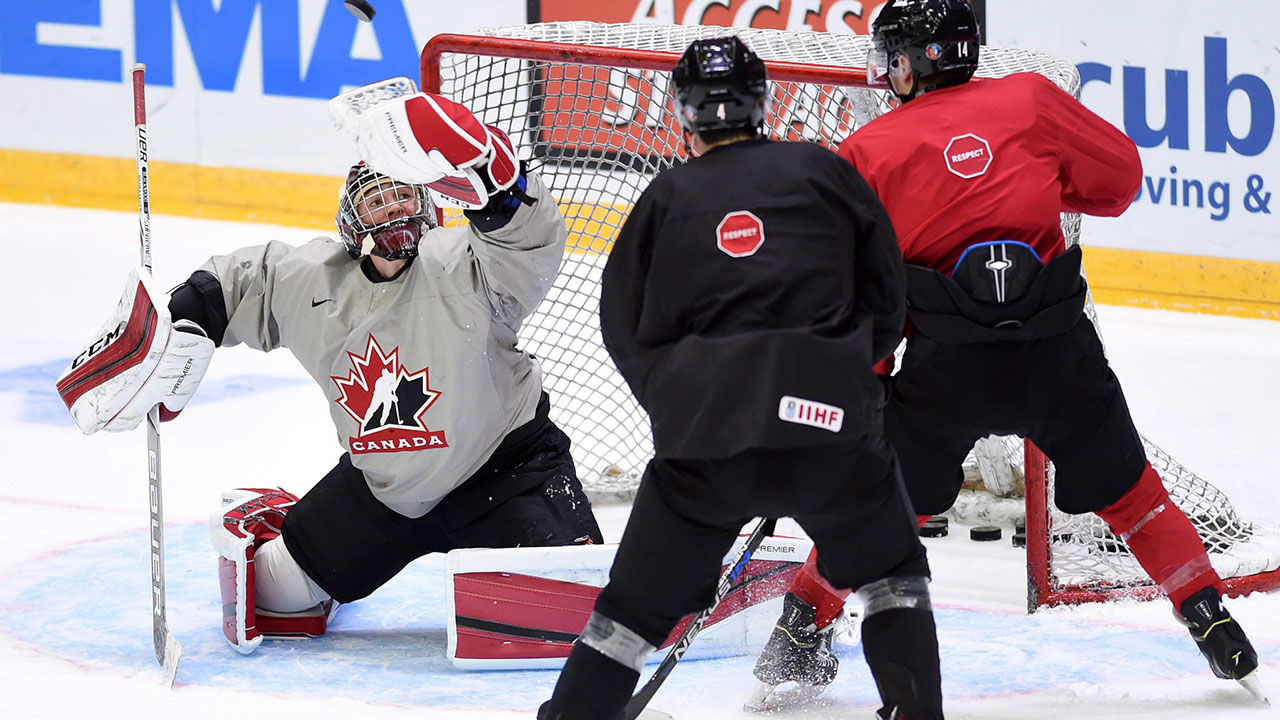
(745, 301)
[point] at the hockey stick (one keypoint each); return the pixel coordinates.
(637, 703)
(168, 651)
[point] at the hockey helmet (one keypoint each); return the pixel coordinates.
(381, 216)
(720, 84)
(937, 38)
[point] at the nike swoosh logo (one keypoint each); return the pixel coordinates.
(318, 303)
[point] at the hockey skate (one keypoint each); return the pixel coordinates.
(798, 654)
(1222, 641)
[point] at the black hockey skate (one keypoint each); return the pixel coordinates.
(1221, 640)
(797, 652)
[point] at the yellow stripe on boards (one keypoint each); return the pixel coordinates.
(1189, 283)
(257, 196)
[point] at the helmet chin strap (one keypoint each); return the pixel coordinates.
(686, 136)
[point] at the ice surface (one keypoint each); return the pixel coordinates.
(75, 636)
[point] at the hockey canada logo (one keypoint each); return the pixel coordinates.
(739, 234)
(388, 403)
(968, 155)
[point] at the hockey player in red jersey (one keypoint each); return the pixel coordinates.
(410, 329)
(744, 290)
(974, 176)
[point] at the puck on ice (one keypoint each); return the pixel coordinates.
(361, 9)
(985, 533)
(1020, 527)
(1020, 539)
(934, 527)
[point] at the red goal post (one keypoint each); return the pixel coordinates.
(588, 107)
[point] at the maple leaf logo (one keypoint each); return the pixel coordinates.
(387, 402)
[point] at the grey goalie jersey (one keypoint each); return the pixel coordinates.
(422, 373)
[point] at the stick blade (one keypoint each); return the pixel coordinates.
(168, 650)
(172, 656)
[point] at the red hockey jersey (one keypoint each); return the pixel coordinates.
(992, 160)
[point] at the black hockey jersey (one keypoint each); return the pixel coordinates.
(747, 297)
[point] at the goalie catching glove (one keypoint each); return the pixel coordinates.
(138, 359)
(427, 139)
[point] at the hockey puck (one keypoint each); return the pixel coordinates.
(1020, 527)
(361, 9)
(934, 527)
(1020, 539)
(985, 533)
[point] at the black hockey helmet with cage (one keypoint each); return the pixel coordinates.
(378, 215)
(720, 84)
(938, 38)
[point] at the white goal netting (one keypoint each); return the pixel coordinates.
(588, 107)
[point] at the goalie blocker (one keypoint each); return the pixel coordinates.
(135, 361)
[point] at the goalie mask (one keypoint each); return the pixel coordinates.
(935, 39)
(378, 215)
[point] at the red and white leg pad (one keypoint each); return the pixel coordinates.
(250, 518)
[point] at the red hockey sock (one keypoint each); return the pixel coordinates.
(810, 587)
(1162, 539)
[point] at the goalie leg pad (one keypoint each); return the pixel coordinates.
(250, 518)
(237, 582)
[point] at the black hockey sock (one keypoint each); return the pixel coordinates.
(901, 648)
(592, 686)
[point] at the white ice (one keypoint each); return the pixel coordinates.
(75, 632)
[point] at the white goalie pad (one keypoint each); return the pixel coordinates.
(236, 574)
(249, 517)
(523, 608)
(134, 362)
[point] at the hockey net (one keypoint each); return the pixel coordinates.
(588, 106)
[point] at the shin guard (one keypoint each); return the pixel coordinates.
(600, 674)
(1162, 538)
(900, 644)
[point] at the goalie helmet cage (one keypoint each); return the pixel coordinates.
(588, 107)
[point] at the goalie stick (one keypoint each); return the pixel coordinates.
(168, 651)
(636, 705)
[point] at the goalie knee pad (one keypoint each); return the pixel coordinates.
(250, 518)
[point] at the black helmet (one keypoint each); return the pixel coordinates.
(939, 38)
(720, 84)
(390, 215)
